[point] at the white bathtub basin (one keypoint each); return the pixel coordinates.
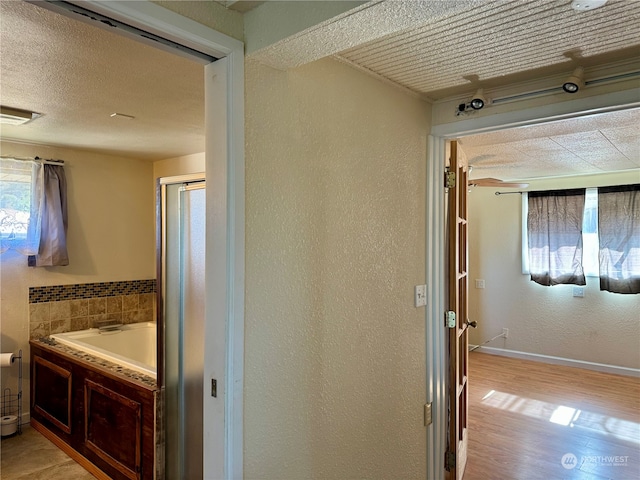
(133, 346)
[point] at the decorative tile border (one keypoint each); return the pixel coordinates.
(114, 368)
(56, 293)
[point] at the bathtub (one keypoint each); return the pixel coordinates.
(133, 346)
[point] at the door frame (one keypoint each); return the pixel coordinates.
(436, 349)
(224, 268)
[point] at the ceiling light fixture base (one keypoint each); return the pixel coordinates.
(16, 116)
(477, 102)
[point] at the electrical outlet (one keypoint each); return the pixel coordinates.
(479, 283)
(505, 332)
(421, 295)
(578, 292)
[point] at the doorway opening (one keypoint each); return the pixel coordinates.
(435, 215)
(224, 206)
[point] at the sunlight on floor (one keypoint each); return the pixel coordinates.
(565, 416)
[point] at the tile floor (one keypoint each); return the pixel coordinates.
(31, 456)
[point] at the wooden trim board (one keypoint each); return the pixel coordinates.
(84, 462)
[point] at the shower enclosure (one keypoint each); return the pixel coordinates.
(182, 267)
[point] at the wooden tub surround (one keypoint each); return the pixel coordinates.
(101, 415)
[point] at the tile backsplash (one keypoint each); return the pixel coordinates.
(67, 308)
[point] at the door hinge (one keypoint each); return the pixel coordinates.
(450, 179)
(450, 461)
(450, 319)
(428, 419)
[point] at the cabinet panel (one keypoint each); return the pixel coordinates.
(106, 420)
(52, 393)
(113, 428)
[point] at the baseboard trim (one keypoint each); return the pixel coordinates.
(25, 418)
(66, 448)
(568, 362)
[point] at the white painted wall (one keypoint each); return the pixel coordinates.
(335, 242)
(183, 165)
(602, 327)
(111, 237)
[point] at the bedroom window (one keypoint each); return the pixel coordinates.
(608, 246)
(619, 237)
(554, 229)
(590, 243)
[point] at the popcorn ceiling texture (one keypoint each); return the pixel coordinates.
(334, 349)
(364, 23)
(211, 14)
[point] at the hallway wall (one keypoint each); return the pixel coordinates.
(335, 242)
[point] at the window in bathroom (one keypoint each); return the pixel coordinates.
(16, 200)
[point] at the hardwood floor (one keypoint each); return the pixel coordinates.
(530, 420)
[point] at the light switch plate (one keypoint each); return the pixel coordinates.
(421, 295)
(479, 283)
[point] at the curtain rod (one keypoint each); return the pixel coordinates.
(509, 193)
(28, 159)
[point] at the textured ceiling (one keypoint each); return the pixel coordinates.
(495, 42)
(77, 75)
(587, 145)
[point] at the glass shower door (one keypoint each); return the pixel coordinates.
(184, 300)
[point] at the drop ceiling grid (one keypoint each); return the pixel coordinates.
(525, 160)
(607, 164)
(421, 59)
(586, 143)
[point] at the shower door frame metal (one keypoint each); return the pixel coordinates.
(189, 181)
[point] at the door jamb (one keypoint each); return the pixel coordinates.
(436, 352)
(224, 108)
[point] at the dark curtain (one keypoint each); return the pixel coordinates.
(619, 237)
(53, 237)
(554, 226)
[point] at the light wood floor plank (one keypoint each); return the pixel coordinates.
(525, 416)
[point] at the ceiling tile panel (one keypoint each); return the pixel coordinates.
(572, 146)
(585, 143)
(494, 39)
(609, 163)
